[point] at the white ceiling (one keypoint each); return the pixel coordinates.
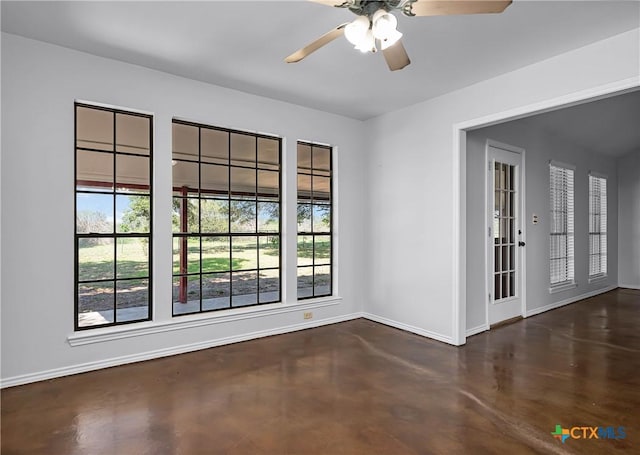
(610, 126)
(241, 45)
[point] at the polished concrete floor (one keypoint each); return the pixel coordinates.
(356, 388)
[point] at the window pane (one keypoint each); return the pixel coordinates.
(322, 158)
(304, 217)
(304, 157)
(512, 284)
(244, 287)
(185, 142)
(321, 218)
(304, 188)
(95, 259)
(268, 185)
(132, 134)
(94, 213)
(268, 217)
(305, 282)
(268, 153)
(108, 268)
(133, 214)
(269, 286)
(186, 255)
(511, 201)
(322, 249)
(215, 254)
(186, 215)
(269, 252)
(215, 215)
(243, 182)
(305, 250)
(321, 188)
(216, 291)
(132, 173)
(95, 303)
(214, 146)
(243, 216)
(244, 253)
(236, 195)
(132, 300)
(94, 171)
(215, 180)
(186, 294)
(243, 150)
(505, 285)
(185, 177)
(94, 128)
(511, 231)
(322, 281)
(132, 257)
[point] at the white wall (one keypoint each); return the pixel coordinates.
(540, 147)
(39, 85)
(629, 224)
(411, 181)
(397, 252)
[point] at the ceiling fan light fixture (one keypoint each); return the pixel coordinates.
(392, 39)
(368, 43)
(384, 25)
(356, 31)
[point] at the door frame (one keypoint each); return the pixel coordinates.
(522, 224)
(459, 180)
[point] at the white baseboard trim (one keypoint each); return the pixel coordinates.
(409, 328)
(476, 330)
(149, 355)
(552, 306)
(629, 286)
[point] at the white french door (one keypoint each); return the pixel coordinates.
(505, 240)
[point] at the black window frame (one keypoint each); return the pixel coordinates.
(229, 234)
(115, 235)
(312, 233)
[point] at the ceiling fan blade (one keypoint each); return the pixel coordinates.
(396, 56)
(336, 3)
(317, 44)
(447, 7)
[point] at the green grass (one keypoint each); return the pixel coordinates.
(97, 261)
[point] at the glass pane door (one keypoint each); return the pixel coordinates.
(504, 235)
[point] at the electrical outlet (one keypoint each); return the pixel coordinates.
(308, 315)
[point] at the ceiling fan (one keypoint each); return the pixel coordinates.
(376, 25)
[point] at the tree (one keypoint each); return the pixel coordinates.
(88, 221)
(136, 217)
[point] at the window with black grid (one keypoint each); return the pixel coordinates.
(597, 226)
(314, 220)
(113, 211)
(562, 225)
(226, 218)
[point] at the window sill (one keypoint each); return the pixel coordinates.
(597, 278)
(562, 287)
(199, 320)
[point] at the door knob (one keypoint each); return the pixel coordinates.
(521, 243)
